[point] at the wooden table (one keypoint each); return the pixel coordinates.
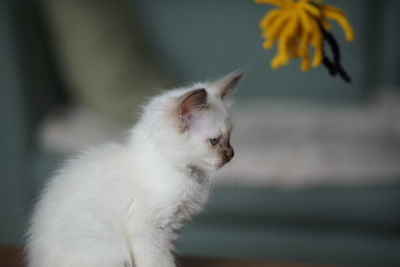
(11, 256)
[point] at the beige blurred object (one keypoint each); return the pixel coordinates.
(298, 144)
(102, 56)
(69, 131)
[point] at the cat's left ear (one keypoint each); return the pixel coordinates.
(189, 107)
(225, 87)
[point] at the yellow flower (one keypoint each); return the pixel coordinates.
(295, 25)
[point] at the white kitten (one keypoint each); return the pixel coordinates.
(120, 204)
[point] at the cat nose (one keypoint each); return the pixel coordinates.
(229, 153)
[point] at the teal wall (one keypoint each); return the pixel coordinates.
(13, 152)
(199, 39)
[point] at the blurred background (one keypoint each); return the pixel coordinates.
(316, 177)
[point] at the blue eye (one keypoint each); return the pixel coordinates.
(214, 141)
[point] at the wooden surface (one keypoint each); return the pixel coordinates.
(12, 257)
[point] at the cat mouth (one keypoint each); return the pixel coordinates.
(224, 160)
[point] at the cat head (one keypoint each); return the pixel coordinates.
(192, 126)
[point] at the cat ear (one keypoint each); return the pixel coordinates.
(191, 103)
(225, 86)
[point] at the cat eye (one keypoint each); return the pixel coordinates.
(214, 141)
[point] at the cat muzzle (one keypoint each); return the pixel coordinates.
(228, 154)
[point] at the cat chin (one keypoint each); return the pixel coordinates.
(221, 164)
(217, 166)
(209, 167)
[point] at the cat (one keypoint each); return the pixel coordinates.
(121, 205)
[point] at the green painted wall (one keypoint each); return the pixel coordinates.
(199, 39)
(13, 152)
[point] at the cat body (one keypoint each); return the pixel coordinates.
(121, 204)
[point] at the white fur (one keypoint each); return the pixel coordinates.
(120, 204)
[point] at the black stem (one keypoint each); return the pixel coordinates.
(334, 67)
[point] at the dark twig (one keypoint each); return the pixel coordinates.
(334, 67)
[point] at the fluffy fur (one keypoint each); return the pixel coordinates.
(121, 204)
